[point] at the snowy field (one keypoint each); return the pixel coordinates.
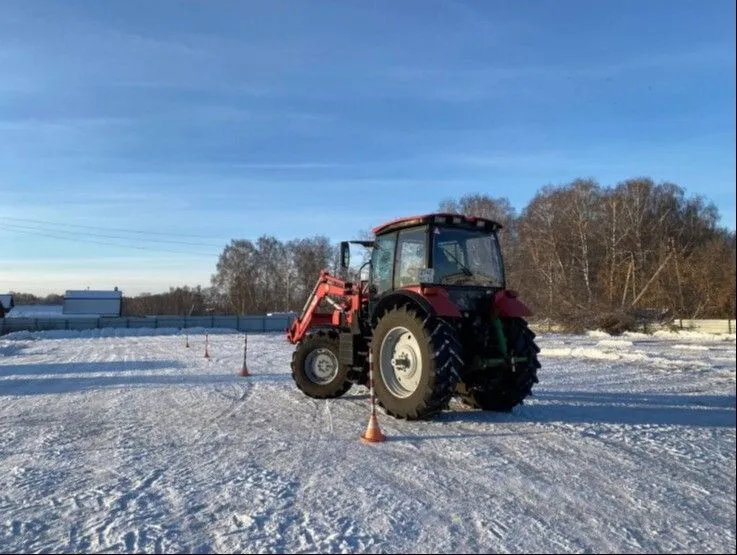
(138, 444)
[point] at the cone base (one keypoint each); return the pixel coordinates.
(244, 372)
(373, 433)
(375, 438)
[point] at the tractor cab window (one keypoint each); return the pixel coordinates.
(467, 257)
(382, 263)
(411, 253)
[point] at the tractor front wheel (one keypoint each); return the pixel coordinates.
(417, 364)
(316, 368)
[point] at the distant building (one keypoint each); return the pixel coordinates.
(98, 303)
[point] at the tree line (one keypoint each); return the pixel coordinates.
(259, 277)
(579, 252)
(576, 253)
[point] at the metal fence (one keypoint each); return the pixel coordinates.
(257, 323)
(250, 324)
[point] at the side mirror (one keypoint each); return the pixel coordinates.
(345, 254)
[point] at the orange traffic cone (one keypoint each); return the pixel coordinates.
(207, 354)
(373, 432)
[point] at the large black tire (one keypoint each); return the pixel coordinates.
(441, 363)
(503, 390)
(317, 373)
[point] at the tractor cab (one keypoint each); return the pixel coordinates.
(439, 249)
(456, 257)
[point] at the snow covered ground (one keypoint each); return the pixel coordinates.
(138, 444)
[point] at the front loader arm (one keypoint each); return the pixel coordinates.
(327, 285)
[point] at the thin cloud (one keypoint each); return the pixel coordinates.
(62, 124)
(464, 84)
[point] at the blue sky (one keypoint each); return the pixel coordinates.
(142, 123)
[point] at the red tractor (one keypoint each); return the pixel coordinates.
(434, 312)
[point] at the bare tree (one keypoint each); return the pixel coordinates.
(309, 257)
(236, 276)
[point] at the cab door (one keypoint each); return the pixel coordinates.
(381, 276)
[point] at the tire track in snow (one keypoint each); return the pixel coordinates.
(236, 393)
(672, 492)
(530, 462)
(107, 530)
(288, 523)
(614, 466)
(130, 493)
(212, 427)
(180, 533)
(449, 470)
(55, 429)
(60, 436)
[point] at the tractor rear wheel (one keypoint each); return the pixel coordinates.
(417, 364)
(505, 390)
(316, 368)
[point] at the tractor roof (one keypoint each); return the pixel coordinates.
(442, 218)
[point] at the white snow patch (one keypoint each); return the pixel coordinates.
(614, 343)
(694, 335)
(692, 347)
(636, 335)
(591, 353)
(128, 441)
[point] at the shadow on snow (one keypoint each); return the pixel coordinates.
(583, 407)
(86, 367)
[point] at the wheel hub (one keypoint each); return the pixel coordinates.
(321, 366)
(401, 362)
(404, 364)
